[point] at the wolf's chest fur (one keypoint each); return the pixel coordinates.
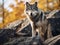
(38, 19)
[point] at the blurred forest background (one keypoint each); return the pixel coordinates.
(7, 16)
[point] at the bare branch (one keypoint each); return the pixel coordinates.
(52, 40)
(13, 24)
(24, 24)
(52, 13)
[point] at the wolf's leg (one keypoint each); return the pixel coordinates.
(41, 34)
(49, 32)
(33, 30)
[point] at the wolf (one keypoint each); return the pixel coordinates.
(37, 20)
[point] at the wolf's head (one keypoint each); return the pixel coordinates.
(31, 9)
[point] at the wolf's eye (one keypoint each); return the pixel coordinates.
(34, 8)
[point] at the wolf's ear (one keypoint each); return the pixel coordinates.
(35, 3)
(27, 4)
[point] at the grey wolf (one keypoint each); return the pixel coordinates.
(37, 21)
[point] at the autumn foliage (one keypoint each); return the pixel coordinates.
(18, 11)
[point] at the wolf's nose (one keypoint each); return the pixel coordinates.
(31, 14)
